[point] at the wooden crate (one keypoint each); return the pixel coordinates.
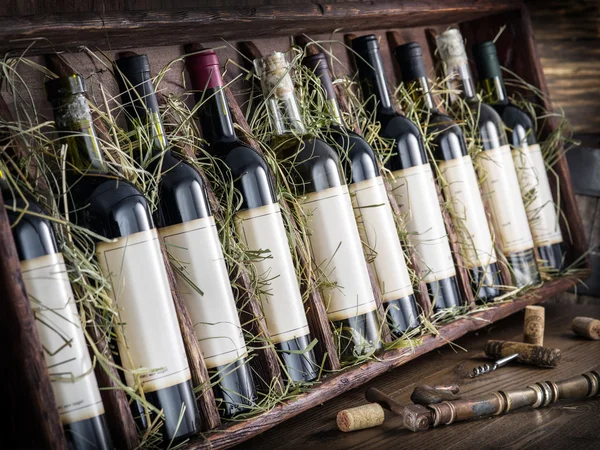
(161, 35)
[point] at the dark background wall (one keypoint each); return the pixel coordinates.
(568, 38)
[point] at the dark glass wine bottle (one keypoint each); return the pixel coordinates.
(314, 174)
(258, 220)
(188, 229)
(527, 156)
(496, 168)
(148, 335)
(457, 177)
(372, 210)
(58, 325)
(413, 185)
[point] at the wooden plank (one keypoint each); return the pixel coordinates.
(332, 386)
(127, 29)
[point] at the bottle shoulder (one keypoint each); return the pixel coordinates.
(110, 206)
(356, 155)
(447, 136)
(32, 233)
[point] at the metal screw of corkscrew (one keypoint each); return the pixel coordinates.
(480, 370)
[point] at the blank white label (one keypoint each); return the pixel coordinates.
(417, 198)
(535, 189)
(148, 334)
(261, 231)
(63, 342)
(337, 253)
(502, 194)
(203, 281)
(462, 191)
(380, 239)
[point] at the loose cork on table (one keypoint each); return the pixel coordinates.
(533, 328)
(361, 417)
(586, 327)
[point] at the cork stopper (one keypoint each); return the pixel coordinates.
(361, 417)
(533, 328)
(451, 48)
(535, 355)
(274, 73)
(586, 327)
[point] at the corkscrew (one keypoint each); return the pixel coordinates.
(485, 368)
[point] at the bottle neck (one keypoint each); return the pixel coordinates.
(494, 90)
(214, 116)
(374, 82)
(74, 125)
(335, 114)
(460, 80)
(143, 113)
(283, 110)
(420, 92)
(317, 63)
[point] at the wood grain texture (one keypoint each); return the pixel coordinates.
(126, 29)
(335, 385)
(568, 40)
(26, 389)
(561, 426)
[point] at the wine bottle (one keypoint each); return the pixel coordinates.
(147, 331)
(315, 176)
(187, 227)
(58, 325)
(457, 177)
(527, 156)
(258, 220)
(413, 185)
(372, 209)
(496, 168)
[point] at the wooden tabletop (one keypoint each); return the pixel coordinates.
(572, 424)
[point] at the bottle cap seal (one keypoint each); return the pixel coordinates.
(452, 48)
(204, 70)
(318, 64)
(486, 60)
(365, 43)
(274, 73)
(64, 86)
(410, 60)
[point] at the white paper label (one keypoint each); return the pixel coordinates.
(337, 253)
(262, 232)
(380, 239)
(462, 190)
(203, 281)
(502, 194)
(59, 328)
(535, 189)
(417, 198)
(148, 335)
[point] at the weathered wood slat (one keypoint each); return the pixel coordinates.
(128, 29)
